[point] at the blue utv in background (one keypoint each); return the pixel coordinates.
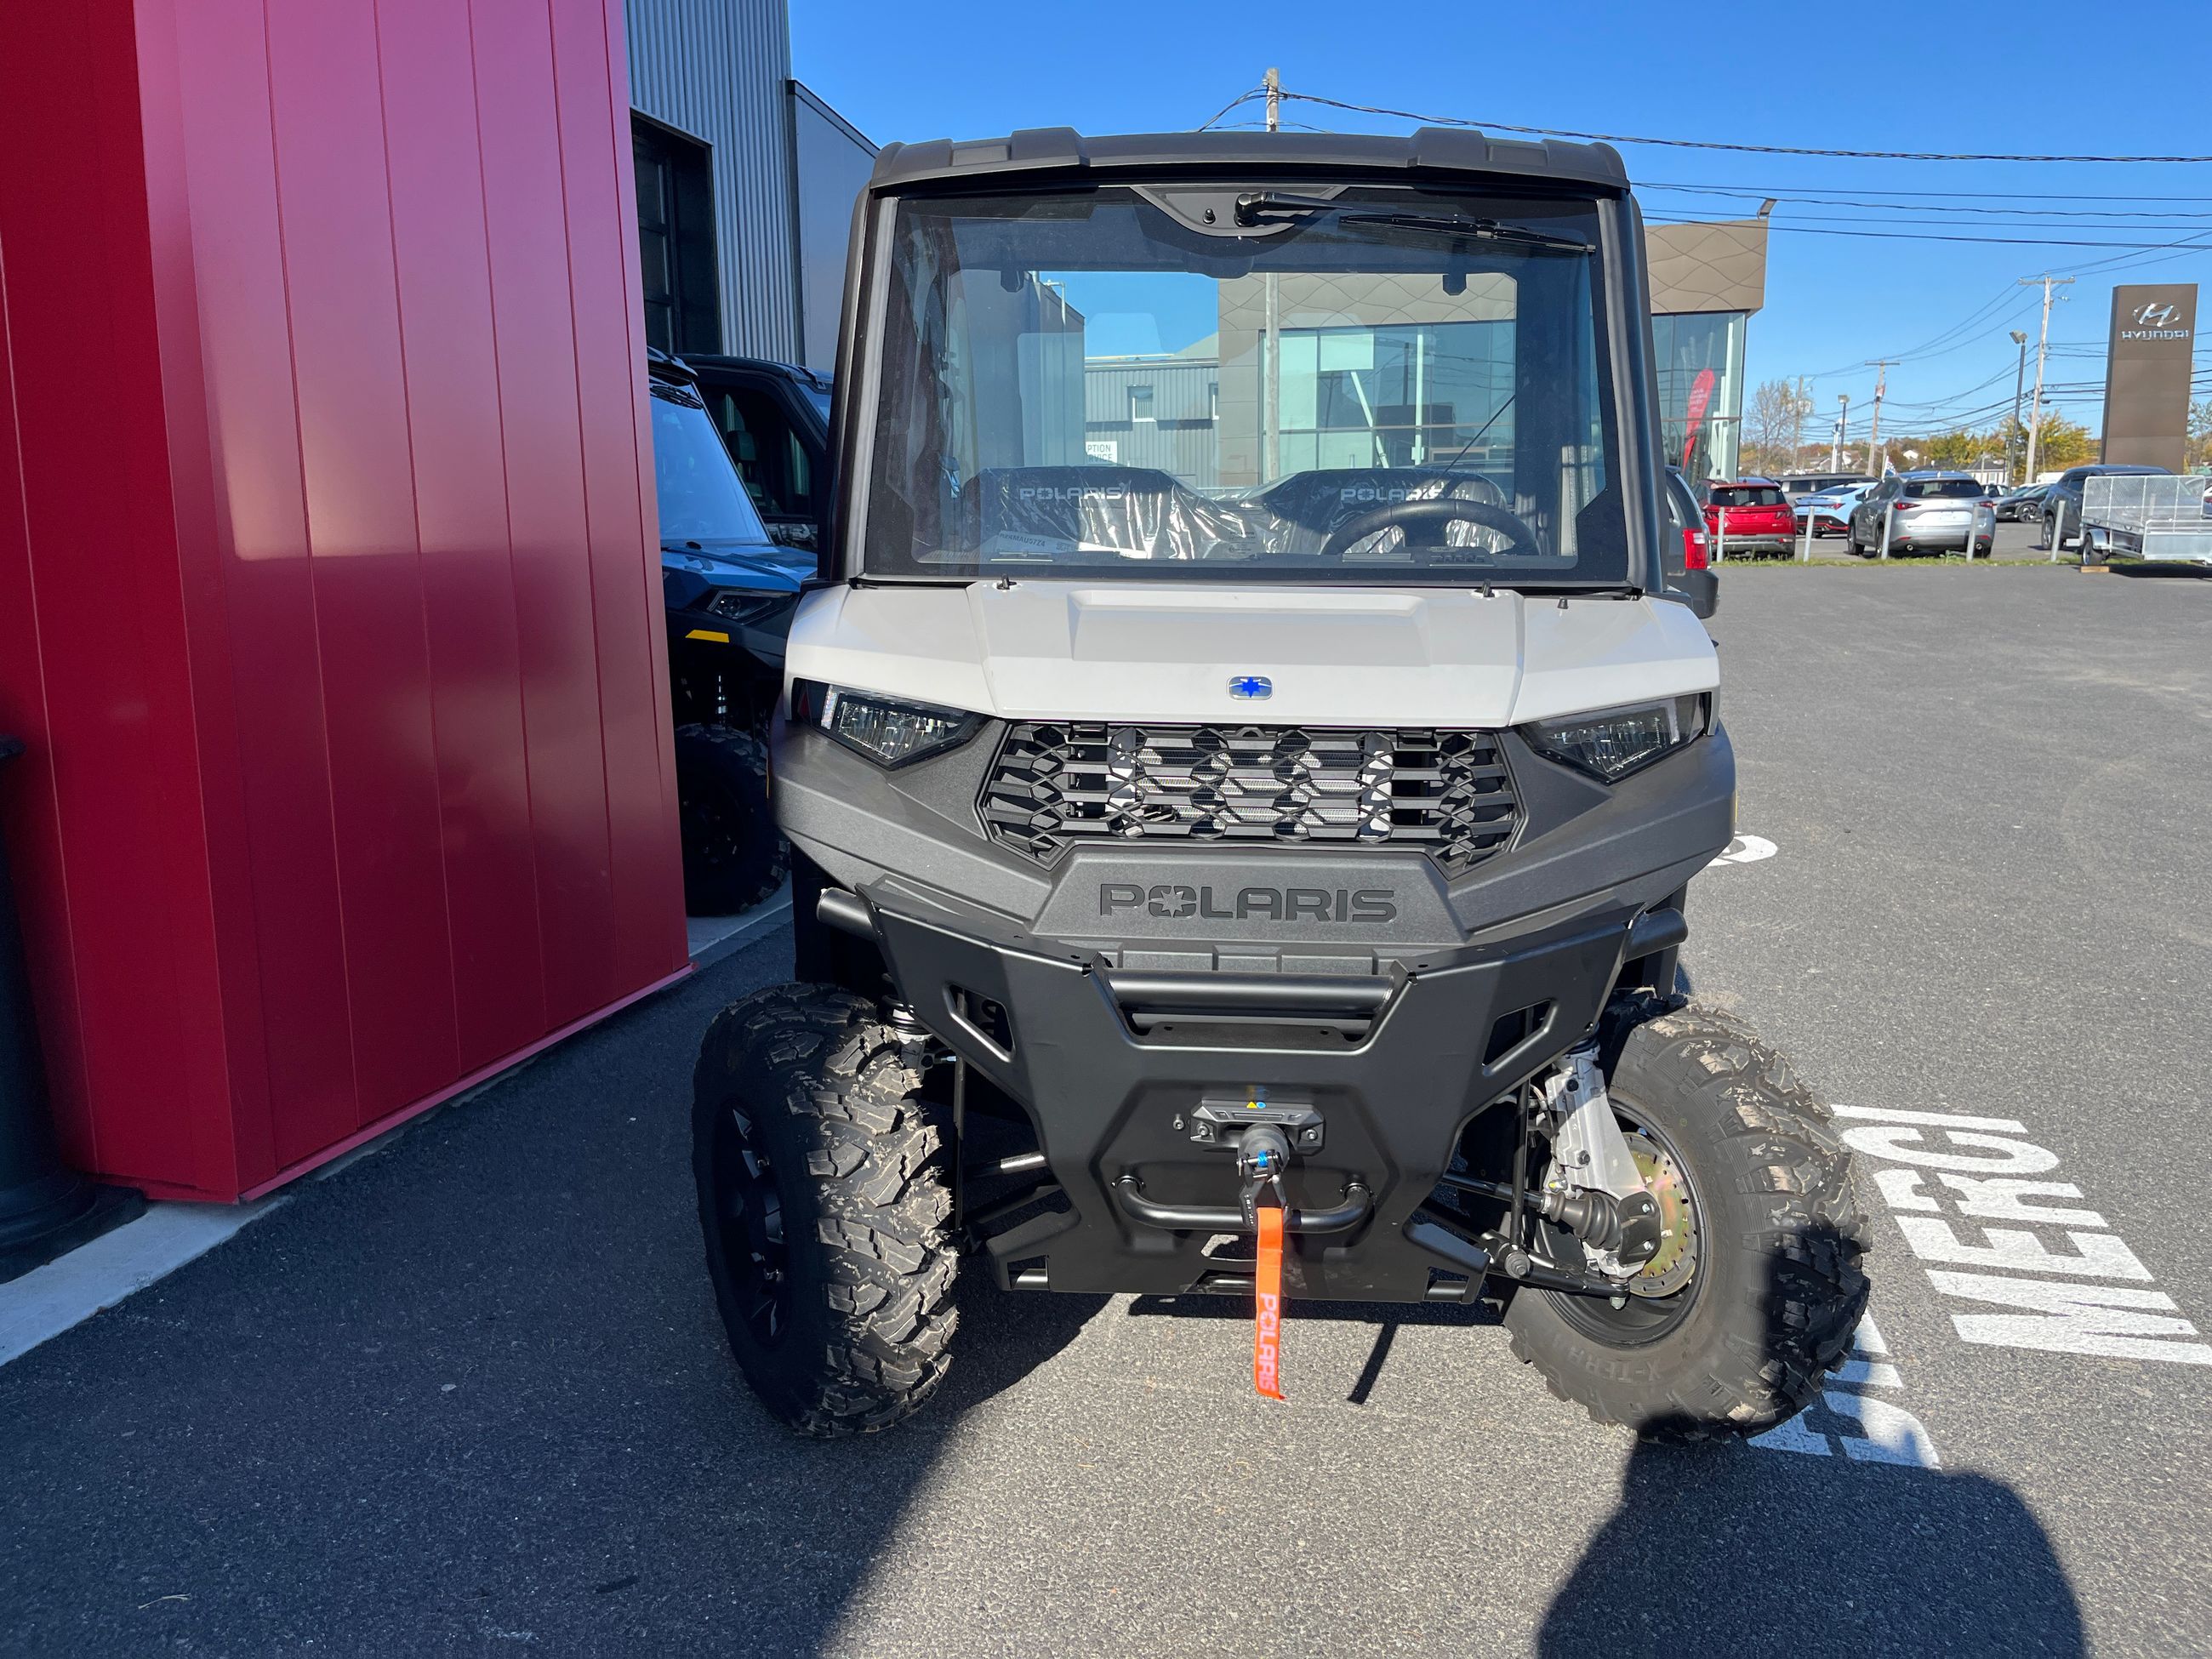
(730, 589)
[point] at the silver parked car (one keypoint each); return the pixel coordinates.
(1930, 512)
(1829, 509)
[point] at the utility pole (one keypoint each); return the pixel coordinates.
(2042, 350)
(1881, 385)
(1843, 418)
(1798, 411)
(1271, 347)
(2019, 380)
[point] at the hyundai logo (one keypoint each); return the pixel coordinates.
(1250, 686)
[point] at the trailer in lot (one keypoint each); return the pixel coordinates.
(2147, 518)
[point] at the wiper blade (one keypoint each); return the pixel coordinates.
(1255, 205)
(1460, 225)
(1577, 590)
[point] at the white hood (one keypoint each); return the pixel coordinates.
(1167, 651)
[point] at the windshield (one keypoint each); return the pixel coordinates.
(1119, 382)
(701, 497)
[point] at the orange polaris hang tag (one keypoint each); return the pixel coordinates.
(1267, 1307)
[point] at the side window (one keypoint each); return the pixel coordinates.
(770, 458)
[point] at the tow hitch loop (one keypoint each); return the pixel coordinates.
(1267, 1306)
(1261, 1158)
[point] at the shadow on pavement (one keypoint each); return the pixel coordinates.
(467, 1395)
(1717, 1550)
(1843, 1538)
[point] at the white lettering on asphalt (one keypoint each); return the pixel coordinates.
(2094, 1319)
(1866, 1430)
(1899, 1143)
(1888, 1433)
(1943, 1192)
(2096, 1255)
(1934, 1120)
(1999, 1200)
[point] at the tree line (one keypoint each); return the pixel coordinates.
(1779, 435)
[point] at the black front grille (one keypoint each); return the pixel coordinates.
(1060, 781)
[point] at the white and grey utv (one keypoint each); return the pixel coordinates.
(1243, 763)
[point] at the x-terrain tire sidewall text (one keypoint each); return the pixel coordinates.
(858, 1161)
(1779, 1289)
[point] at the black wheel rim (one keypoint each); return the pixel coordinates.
(748, 1228)
(1644, 1319)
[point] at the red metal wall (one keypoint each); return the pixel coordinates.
(328, 567)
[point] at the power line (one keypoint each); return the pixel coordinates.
(1241, 98)
(1930, 236)
(1703, 143)
(1808, 191)
(1795, 194)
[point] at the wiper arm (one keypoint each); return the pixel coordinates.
(1253, 206)
(1478, 230)
(1276, 202)
(1575, 590)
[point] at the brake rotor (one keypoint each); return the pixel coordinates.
(1676, 1262)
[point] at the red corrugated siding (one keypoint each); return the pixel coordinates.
(351, 775)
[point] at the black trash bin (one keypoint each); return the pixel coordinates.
(46, 1207)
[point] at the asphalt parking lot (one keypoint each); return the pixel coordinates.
(468, 1395)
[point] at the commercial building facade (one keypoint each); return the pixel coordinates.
(746, 182)
(330, 585)
(329, 597)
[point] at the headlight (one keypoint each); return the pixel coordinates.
(888, 731)
(1612, 743)
(741, 606)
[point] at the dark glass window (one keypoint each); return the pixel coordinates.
(771, 459)
(676, 239)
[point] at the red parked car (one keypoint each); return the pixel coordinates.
(1752, 516)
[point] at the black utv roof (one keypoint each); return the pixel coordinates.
(1064, 151)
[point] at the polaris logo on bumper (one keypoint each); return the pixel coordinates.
(1372, 904)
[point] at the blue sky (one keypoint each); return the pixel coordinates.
(1934, 76)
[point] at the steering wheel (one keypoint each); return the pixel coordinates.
(1407, 516)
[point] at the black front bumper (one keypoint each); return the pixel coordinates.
(1112, 1068)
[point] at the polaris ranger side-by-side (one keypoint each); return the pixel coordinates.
(1244, 763)
(730, 591)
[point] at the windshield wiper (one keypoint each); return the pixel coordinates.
(1255, 202)
(1254, 205)
(1576, 590)
(1460, 225)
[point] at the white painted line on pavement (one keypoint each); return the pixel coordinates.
(46, 1301)
(1744, 849)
